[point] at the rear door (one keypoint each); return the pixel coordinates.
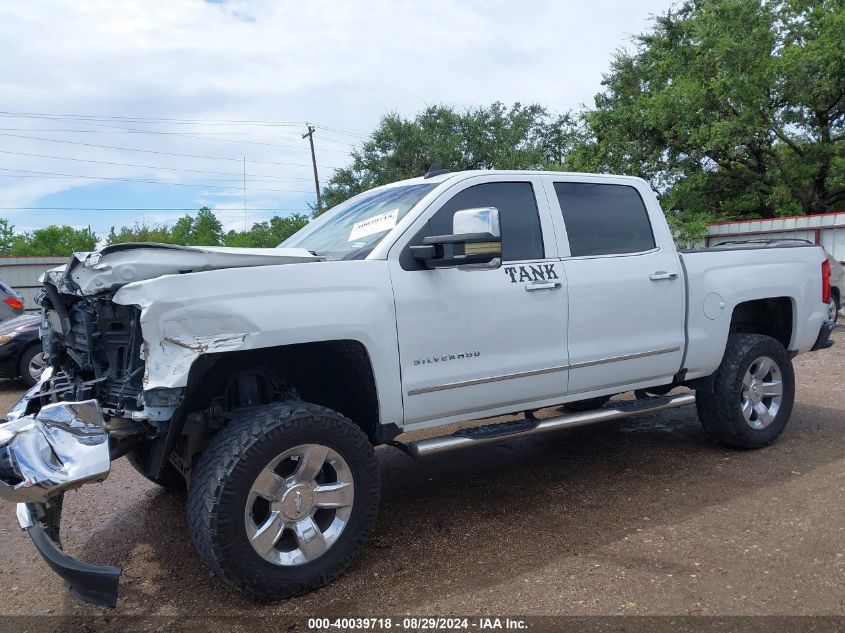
(626, 287)
(482, 341)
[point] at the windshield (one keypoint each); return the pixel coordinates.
(352, 229)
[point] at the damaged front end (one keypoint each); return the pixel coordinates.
(86, 411)
(93, 346)
(108, 392)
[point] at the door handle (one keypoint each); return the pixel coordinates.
(543, 285)
(661, 275)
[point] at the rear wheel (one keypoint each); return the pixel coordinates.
(754, 390)
(283, 499)
(833, 309)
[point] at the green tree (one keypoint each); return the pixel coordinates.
(267, 234)
(183, 230)
(732, 107)
(7, 236)
(53, 240)
(140, 232)
(207, 229)
(204, 229)
(496, 136)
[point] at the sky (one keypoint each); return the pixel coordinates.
(155, 107)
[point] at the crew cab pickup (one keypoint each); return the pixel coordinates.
(261, 380)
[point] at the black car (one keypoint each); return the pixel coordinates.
(20, 349)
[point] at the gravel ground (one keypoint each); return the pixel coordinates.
(642, 516)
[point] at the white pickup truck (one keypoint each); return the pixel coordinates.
(262, 379)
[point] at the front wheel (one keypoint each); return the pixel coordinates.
(283, 499)
(754, 390)
(170, 479)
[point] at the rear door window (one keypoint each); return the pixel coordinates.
(604, 219)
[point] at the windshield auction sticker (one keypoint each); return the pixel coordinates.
(373, 225)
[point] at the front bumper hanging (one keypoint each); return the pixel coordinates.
(61, 447)
(96, 584)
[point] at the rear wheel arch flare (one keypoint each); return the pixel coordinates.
(773, 316)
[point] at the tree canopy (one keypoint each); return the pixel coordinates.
(206, 229)
(729, 108)
(50, 240)
(202, 229)
(492, 137)
(733, 107)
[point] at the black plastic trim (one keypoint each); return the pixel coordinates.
(96, 584)
(823, 341)
(385, 433)
(462, 238)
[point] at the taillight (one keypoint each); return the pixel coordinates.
(17, 304)
(825, 281)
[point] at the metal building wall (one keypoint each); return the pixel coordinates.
(827, 229)
(22, 273)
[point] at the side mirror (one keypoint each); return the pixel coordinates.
(476, 240)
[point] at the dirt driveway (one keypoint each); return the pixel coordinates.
(635, 517)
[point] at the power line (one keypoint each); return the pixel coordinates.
(129, 119)
(332, 140)
(182, 121)
(152, 151)
(42, 174)
(141, 209)
(339, 131)
(25, 173)
(160, 133)
(196, 171)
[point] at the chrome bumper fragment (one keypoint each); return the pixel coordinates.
(61, 447)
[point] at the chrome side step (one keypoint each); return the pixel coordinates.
(529, 426)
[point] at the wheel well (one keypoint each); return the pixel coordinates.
(334, 374)
(772, 317)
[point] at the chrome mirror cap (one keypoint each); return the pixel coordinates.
(481, 220)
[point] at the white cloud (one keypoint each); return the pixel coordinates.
(341, 64)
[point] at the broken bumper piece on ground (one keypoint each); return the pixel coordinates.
(61, 447)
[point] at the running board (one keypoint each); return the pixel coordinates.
(532, 426)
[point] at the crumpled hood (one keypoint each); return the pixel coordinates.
(115, 266)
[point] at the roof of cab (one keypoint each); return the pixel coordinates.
(459, 175)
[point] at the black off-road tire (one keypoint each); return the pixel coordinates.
(170, 478)
(720, 412)
(228, 467)
(586, 405)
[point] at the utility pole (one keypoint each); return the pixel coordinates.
(244, 194)
(310, 136)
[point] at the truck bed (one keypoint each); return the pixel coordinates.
(718, 279)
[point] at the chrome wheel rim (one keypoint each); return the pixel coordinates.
(36, 366)
(762, 392)
(831, 310)
(299, 505)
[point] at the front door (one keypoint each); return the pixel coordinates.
(482, 340)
